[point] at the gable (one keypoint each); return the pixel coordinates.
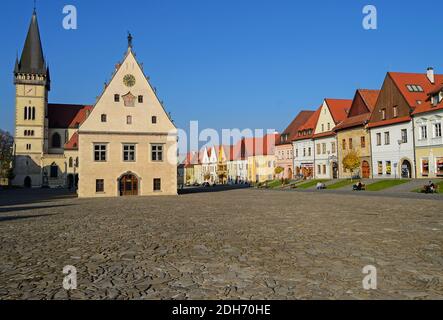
(358, 106)
(325, 118)
(129, 83)
(390, 97)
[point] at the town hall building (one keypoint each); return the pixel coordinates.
(125, 144)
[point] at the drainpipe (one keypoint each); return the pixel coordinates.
(413, 148)
(370, 153)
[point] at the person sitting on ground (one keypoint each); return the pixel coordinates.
(358, 186)
(321, 186)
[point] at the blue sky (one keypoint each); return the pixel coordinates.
(228, 64)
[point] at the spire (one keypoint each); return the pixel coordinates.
(32, 59)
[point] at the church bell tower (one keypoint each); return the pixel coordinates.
(32, 83)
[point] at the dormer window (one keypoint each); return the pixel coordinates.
(116, 98)
(414, 88)
(383, 114)
(435, 100)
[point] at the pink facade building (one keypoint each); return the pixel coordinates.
(284, 151)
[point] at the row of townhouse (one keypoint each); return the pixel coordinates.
(396, 132)
(249, 160)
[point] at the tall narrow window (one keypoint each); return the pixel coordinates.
(140, 99)
(71, 162)
(380, 168)
(379, 139)
(388, 168)
(383, 114)
(116, 98)
(363, 142)
(33, 113)
(104, 118)
(423, 132)
(404, 136)
(129, 120)
(154, 120)
(425, 167)
(395, 111)
(324, 148)
(25, 115)
(387, 138)
(318, 148)
(54, 171)
(350, 144)
(343, 144)
(333, 147)
(437, 130)
(56, 140)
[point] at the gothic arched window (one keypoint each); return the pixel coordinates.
(56, 140)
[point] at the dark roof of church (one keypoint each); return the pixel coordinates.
(32, 59)
(64, 116)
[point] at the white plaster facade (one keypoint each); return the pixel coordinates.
(393, 151)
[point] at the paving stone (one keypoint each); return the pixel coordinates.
(243, 244)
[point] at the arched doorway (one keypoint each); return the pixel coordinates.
(290, 176)
(128, 185)
(28, 182)
(406, 169)
(365, 170)
(334, 170)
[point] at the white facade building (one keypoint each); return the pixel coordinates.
(393, 151)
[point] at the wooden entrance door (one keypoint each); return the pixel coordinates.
(129, 185)
(366, 170)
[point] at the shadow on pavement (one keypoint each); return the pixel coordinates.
(11, 197)
(220, 188)
(13, 218)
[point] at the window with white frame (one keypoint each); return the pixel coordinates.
(437, 130)
(404, 136)
(423, 132)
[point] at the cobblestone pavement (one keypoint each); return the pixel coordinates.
(241, 244)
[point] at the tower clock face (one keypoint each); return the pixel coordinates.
(129, 80)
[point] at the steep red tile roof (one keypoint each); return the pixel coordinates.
(401, 80)
(355, 121)
(292, 129)
(427, 106)
(72, 144)
(339, 108)
(370, 99)
(65, 116)
(309, 125)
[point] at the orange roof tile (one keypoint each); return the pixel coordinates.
(339, 108)
(292, 129)
(72, 144)
(309, 125)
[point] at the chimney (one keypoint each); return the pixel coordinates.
(431, 75)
